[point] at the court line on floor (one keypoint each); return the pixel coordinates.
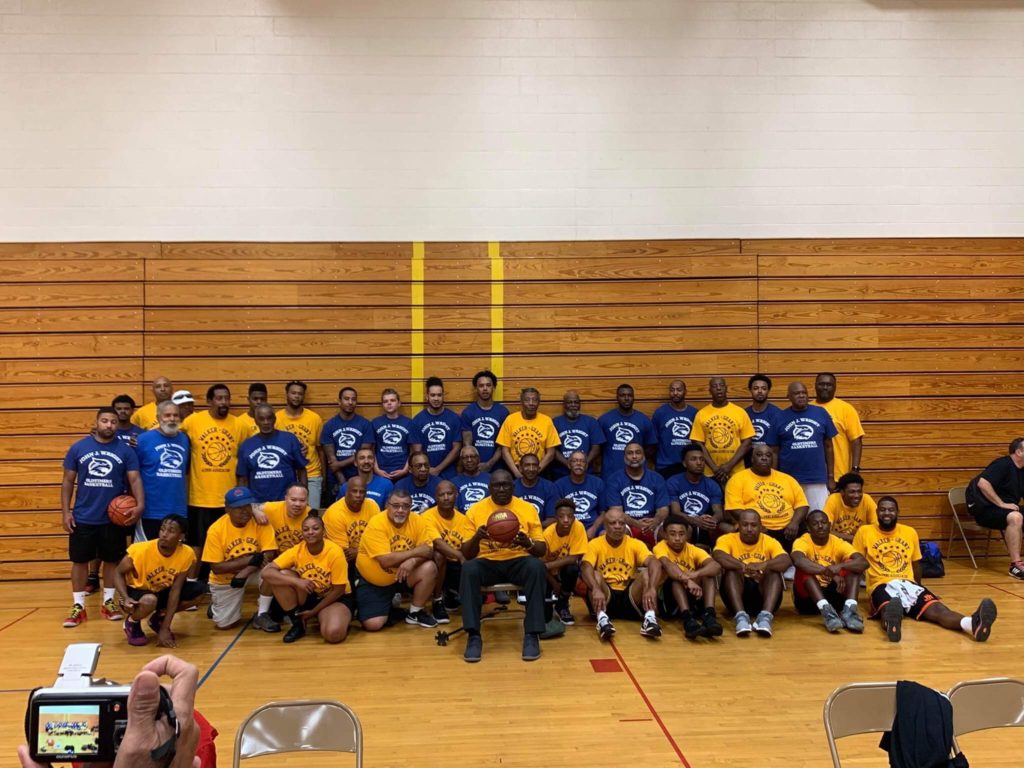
(12, 623)
(1005, 591)
(650, 706)
(223, 653)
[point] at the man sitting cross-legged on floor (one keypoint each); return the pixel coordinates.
(688, 573)
(827, 575)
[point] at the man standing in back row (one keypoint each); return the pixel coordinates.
(725, 432)
(306, 425)
(145, 417)
(623, 425)
(482, 420)
(672, 424)
(849, 441)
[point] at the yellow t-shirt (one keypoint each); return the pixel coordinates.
(345, 527)
(382, 537)
(890, 555)
(774, 496)
(529, 523)
(249, 424)
(226, 542)
(307, 426)
(145, 416)
(833, 551)
(326, 570)
(215, 445)
(154, 572)
(616, 564)
(573, 543)
(689, 558)
(287, 530)
(848, 425)
(766, 548)
(721, 430)
(846, 519)
(455, 532)
(522, 436)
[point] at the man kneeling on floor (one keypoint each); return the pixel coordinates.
(827, 575)
(617, 589)
(688, 573)
(893, 553)
(753, 564)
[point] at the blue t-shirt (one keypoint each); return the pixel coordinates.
(542, 496)
(423, 497)
(588, 495)
(345, 437)
(269, 463)
(638, 498)
(126, 435)
(438, 435)
(485, 426)
(394, 439)
(765, 424)
(379, 489)
(694, 499)
(163, 465)
(619, 431)
(802, 439)
(579, 435)
(471, 490)
(673, 430)
(102, 475)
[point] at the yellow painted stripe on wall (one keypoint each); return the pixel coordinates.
(416, 394)
(497, 315)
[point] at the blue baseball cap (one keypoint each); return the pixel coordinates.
(239, 497)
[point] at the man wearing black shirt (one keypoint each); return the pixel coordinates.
(993, 498)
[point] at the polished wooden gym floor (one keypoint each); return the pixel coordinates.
(671, 702)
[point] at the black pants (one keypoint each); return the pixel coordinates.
(527, 571)
(567, 577)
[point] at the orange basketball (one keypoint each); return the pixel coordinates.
(502, 526)
(121, 510)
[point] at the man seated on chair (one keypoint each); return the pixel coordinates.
(567, 543)
(489, 562)
(639, 492)
(993, 499)
(454, 530)
(616, 587)
(396, 549)
(688, 574)
(850, 507)
(310, 581)
(893, 553)
(697, 498)
(775, 496)
(752, 564)
(827, 575)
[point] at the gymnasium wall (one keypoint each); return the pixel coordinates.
(923, 335)
(472, 120)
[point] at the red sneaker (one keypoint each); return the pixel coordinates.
(76, 617)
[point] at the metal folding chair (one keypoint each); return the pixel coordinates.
(299, 726)
(963, 522)
(443, 636)
(858, 708)
(995, 702)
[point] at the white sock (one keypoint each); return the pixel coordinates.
(822, 603)
(108, 594)
(78, 598)
(649, 616)
(602, 617)
(263, 603)
(965, 625)
(413, 608)
(851, 604)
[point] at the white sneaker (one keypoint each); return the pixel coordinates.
(790, 573)
(763, 624)
(743, 627)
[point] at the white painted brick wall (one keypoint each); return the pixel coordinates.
(509, 119)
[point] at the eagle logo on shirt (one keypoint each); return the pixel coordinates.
(346, 440)
(692, 506)
(635, 500)
(803, 432)
(474, 495)
(572, 442)
(681, 428)
(436, 434)
(171, 456)
(100, 467)
(267, 460)
(624, 434)
(485, 430)
(391, 437)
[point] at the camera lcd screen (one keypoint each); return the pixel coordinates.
(70, 731)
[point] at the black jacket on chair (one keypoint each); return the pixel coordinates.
(922, 731)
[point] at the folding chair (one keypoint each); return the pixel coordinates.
(299, 726)
(858, 708)
(962, 522)
(442, 637)
(995, 702)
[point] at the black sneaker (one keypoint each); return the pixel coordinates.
(267, 624)
(92, 583)
(983, 619)
(297, 632)
(1017, 570)
(474, 649)
(531, 647)
(691, 627)
(440, 612)
(892, 620)
(566, 616)
(501, 597)
(421, 619)
(711, 626)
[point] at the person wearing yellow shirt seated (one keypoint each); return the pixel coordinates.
(454, 530)
(396, 549)
(236, 550)
(347, 518)
(490, 562)
(725, 432)
(616, 587)
(151, 581)
(775, 496)
(687, 571)
(752, 567)
(528, 432)
(850, 507)
(893, 552)
(827, 575)
(567, 543)
(145, 416)
(310, 581)
(285, 517)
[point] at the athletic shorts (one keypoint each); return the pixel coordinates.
(147, 529)
(226, 601)
(920, 603)
(199, 521)
(621, 605)
(780, 536)
(108, 542)
(372, 601)
(647, 537)
(753, 600)
(988, 516)
(190, 590)
(807, 605)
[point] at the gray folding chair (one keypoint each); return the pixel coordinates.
(299, 726)
(962, 522)
(858, 708)
(995, 702)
